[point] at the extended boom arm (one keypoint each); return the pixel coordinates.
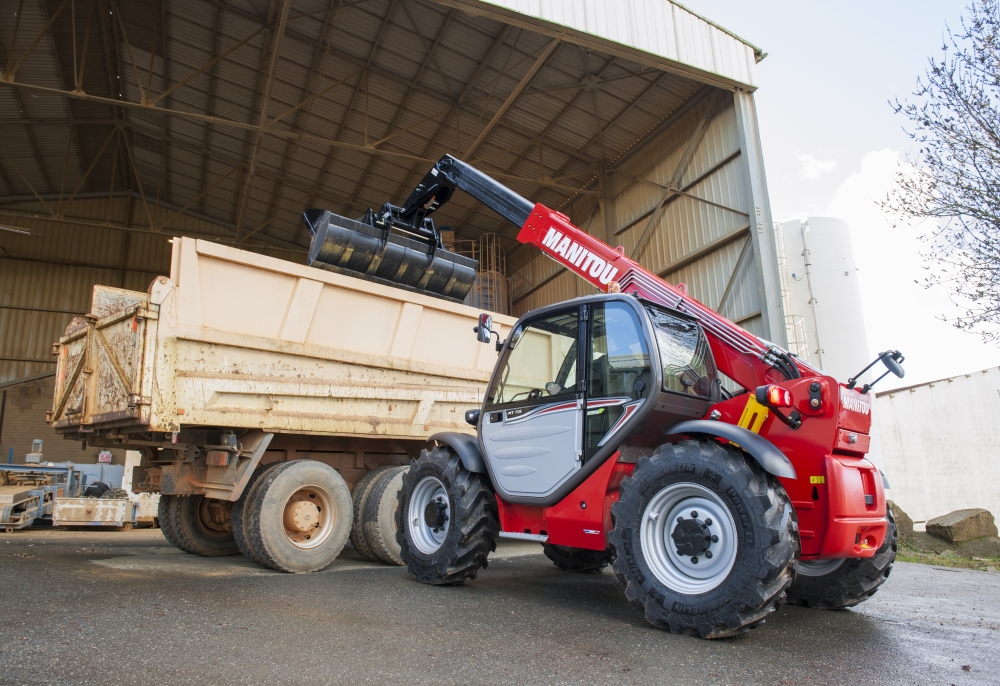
(747, 359)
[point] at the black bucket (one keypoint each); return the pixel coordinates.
(350, 247)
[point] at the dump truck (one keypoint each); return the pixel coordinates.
(718, 474)
(244, 375)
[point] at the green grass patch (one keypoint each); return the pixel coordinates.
(910, 552)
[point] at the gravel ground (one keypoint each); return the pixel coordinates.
(121, 608)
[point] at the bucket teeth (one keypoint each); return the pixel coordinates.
(350, 247)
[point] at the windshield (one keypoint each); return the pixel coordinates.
(541, 361)
(687, 361)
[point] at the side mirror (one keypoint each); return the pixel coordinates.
(485, 328)
(892, 364)
(472, 417)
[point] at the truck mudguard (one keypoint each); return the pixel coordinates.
(767, 455)
(467, 448)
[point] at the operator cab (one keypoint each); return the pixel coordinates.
(578, 379)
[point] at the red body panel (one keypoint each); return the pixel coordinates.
(580, 520)
(827, 451)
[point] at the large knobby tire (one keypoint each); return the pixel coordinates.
(379, 516)
(447, 521)
(839, 584)
(360, 498)
(165, 515)
(201, 525)
(578, 559)
(298, 517)
(704, 539)
(239, 509)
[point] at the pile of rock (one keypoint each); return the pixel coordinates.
(970, 533)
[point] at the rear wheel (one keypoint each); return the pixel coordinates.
(843, 583)
(447, 519)
(578, 559)
(165, 520)
(299, 516)
(704, 538)
(239, 509)
(379, 517)
(200, 525)
(359, 539)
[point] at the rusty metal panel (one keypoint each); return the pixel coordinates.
(93, 512)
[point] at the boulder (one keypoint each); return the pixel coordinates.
(963, 525)
(904, 525)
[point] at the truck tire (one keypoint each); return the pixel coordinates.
(239, 509)
(704, 538)
(203, 525)
(578, 559)
(299, 516)
(379, 516)
(839, 584)
(359, 497)
(166, 518)
(447, 520)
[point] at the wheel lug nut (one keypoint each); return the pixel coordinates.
(694, 514)
(680, 519)
(694, 560)
(708, 522)
(715, 539)
(708, 554)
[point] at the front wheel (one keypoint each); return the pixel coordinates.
(447, 521)
(705, 540)
(843, 583)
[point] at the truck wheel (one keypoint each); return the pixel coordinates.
(164, 514)
(360, 498)
(705, 540)
(379, 517)
(839, 584)
(203, 525)
(299, 516)
(578, 559)
(447, 520)
(239, 509)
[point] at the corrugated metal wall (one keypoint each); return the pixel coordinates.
(46, 278)
(697, 237)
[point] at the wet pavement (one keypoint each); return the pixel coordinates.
(121, 608)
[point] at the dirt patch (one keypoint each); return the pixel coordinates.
(981, 554)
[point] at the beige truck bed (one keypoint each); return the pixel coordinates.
(238, 339)
(297, 362)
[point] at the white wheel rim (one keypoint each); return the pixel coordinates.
(688, 574)
(817, 567)
(314, 532)
(426, 537)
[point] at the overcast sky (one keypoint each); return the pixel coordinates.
(831, 143)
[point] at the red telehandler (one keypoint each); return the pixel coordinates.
(606, 434)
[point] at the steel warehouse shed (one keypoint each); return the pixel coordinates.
(126, 122)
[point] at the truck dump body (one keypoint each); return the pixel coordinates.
(236, 339)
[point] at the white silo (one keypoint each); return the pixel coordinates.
(823, 297)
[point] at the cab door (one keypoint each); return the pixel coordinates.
(532, 424)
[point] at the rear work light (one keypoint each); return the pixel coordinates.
(774, 396)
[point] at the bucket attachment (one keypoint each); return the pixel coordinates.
(416, 261)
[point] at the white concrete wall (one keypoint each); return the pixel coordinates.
(940, 447)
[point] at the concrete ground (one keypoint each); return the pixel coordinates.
(122, 608)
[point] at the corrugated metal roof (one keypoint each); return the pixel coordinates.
(382, 88)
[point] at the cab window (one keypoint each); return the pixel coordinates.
(541, 362)
(685, 355)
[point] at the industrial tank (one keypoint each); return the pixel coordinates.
(822, 295)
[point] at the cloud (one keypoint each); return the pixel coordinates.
(900, 313)
(813, 168)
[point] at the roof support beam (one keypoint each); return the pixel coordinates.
(406, 96)
(31, 130)
(522, 84)
(275, 52)
(302, 114)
